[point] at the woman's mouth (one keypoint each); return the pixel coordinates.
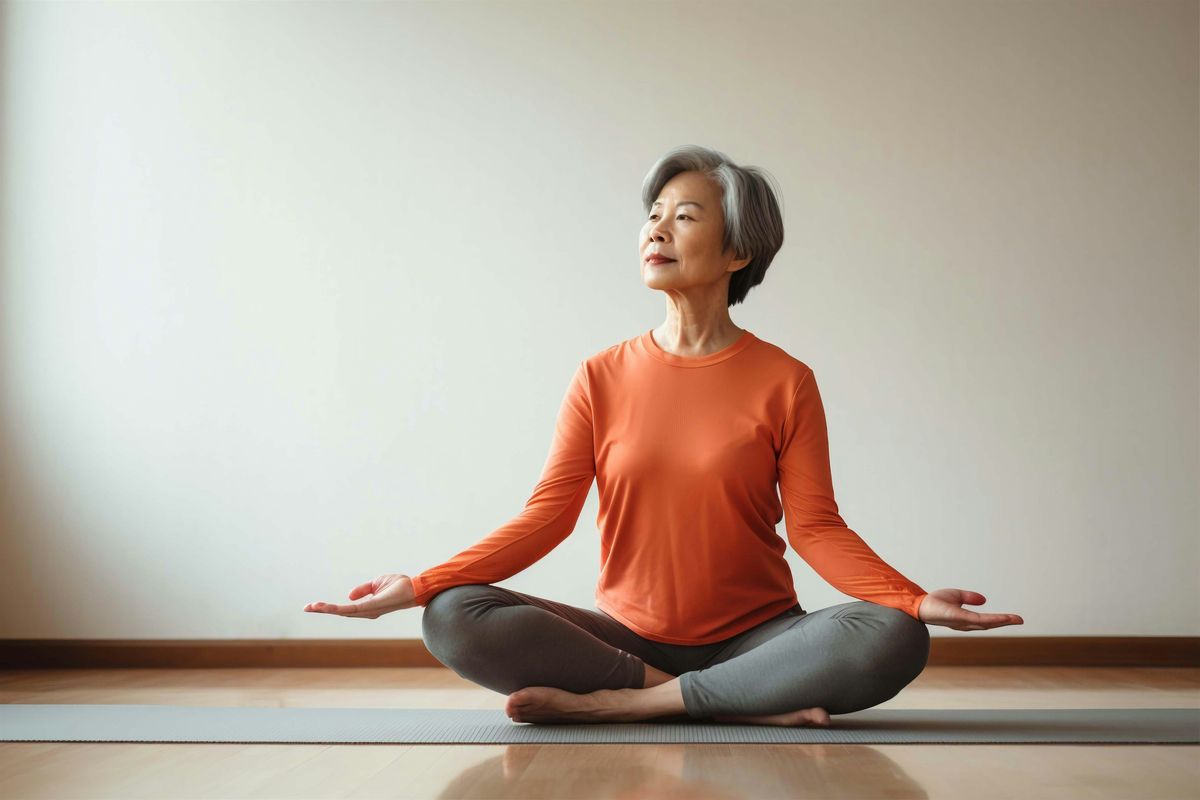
(656, 260)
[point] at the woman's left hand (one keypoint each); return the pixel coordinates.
(944, 607)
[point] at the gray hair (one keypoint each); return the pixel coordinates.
(753, 222)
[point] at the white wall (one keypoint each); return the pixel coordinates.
(291, 292)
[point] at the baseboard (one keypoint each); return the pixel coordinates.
(962, 649)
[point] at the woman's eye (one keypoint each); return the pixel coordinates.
(685, 216)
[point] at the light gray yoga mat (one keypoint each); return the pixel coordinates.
(156, 723)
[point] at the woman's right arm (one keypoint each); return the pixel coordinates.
(549, 515)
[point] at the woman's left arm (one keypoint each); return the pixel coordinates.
(821, 537)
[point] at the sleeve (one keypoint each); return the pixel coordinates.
(814, 527)
(549, 515)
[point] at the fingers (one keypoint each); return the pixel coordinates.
(349, 610)
(972, 598)
(319, 607)
(963, 619)
(984, 618)
(987, 621)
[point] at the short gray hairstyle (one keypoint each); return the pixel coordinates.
(753, 222)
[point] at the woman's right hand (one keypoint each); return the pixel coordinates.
(384, 594)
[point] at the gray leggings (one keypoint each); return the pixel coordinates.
(843, 658)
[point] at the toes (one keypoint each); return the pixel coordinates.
(808, 716)
(521, 705)
(514, 704)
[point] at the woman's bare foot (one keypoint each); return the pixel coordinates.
(805, 716)
(548, 704)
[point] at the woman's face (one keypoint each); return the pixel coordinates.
(686, 224)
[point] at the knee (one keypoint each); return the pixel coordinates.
(444, 618)
(896, 642)
(893, 651)
(905, 645)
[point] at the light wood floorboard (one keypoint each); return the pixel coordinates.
(619, 772)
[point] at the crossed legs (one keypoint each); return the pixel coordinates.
(558, 662)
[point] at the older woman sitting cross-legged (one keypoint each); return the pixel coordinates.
(687, 430)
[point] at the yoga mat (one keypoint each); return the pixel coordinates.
(53, 722)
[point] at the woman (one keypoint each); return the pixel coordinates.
(686, 429)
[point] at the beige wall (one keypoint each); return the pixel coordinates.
(291, 292)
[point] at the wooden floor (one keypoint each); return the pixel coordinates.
(627, 772)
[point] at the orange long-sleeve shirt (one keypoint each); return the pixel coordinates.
(686, 453)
